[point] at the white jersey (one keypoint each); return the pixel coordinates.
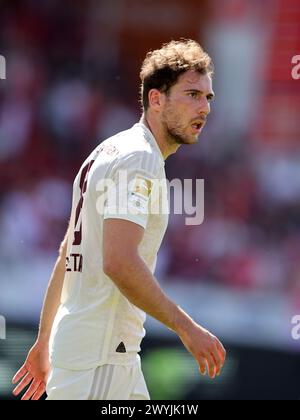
(95, 323)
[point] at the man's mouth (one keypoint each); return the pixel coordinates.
(198, 125)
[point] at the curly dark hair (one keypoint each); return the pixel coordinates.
(162, 68)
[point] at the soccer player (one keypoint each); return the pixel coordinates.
(103, 284)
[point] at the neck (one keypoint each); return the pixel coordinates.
(166, 146)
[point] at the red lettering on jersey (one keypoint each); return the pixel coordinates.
(74, 263)
(83, 186)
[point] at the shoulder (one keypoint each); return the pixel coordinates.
(136, 152)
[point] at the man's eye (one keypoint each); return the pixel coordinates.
(193, 94)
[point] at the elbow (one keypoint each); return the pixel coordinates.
(110, 267)
(117, 266)
(114, 265)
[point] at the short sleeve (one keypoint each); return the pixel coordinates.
(131, 188)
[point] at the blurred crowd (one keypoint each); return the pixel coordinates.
(59, 101)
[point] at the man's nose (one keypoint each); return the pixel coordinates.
(204, 107)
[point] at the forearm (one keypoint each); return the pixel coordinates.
(53, 294)
(137, 283)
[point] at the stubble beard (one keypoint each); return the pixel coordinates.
(174, 131)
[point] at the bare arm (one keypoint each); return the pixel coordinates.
(35, 370)
(53, 294)
(123, 264)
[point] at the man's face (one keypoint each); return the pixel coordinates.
(186, 107)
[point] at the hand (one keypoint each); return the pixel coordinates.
(34, 371)
(206, 349)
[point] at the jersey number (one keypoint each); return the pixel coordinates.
(83, 185)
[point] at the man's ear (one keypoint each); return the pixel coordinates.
(156, 99)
